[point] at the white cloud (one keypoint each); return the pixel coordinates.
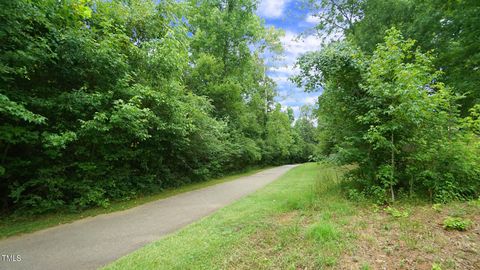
(294, 47)
(289, 94)
(279, 78)
(272, 8)
(310, 100)
(312, 19)
(288, 70)
(297, 99)
(282, 93)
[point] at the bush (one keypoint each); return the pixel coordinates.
(396, 213)
(456, 223)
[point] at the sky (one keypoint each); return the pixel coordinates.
(289, 16)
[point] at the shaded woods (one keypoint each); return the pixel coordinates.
(103, 100)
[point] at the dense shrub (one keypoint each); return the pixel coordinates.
(102, 100)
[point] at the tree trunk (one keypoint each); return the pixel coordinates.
(393, 167)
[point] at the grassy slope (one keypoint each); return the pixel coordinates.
(271, 229)
(10, 226)
(302, 222)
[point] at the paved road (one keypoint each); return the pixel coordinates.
(93, 242)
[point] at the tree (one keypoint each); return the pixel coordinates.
(385, 113)
(227, 39)
(279, 136)
(448, 28)
(336, 17)
(105, 100)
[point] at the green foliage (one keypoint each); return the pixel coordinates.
(456, 223)
(104, 100)
(355, 195)
(437, 207)
(334, 16)
(396, 213)
(447, 28)
(17, 111)
(472, 121)
(391, 115)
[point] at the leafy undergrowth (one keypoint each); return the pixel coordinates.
(14, 225)
(302, 221)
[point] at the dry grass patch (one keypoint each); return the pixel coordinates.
(418, 241)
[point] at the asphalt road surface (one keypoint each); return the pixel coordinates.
(93, 242)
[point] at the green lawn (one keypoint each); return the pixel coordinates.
(14, 225)
(302, 221)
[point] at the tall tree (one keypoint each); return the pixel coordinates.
(448, 28)
(390, 114)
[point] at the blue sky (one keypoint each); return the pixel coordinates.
(289, 16)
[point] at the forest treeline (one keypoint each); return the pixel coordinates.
(103, 100)
(400, 84)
